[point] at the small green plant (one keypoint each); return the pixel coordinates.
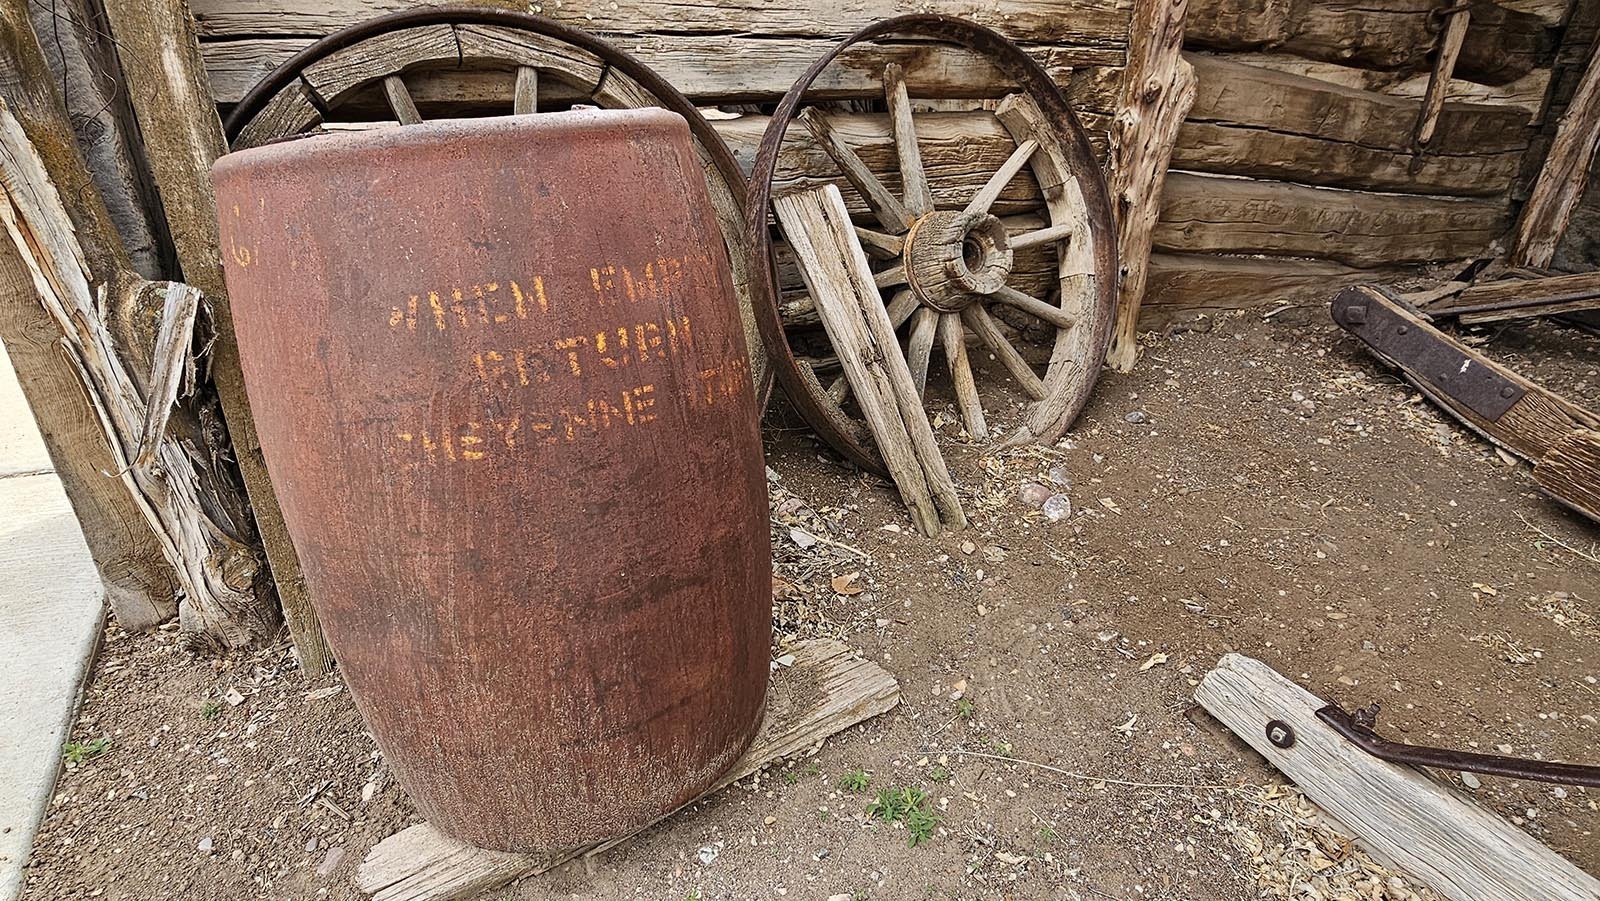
(210, 710)
(939, 774)
(965, 708)
(1047, 835)
(77, 752)
(855, 781)
(694, 895)
(909, 806)
(793, 776)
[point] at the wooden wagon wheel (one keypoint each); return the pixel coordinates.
(494, 61)
(944, 266)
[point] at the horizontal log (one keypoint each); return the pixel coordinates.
(1501, 46)
(1244, 216)
(1264, 123)
(713, 69)
(1095, 23)
(1526, 92)
(1182, 284)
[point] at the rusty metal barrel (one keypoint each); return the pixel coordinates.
(501, 388)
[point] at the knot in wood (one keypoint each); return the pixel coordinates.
(954, 258)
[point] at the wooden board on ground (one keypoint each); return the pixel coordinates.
(1461, 850)
(827, 689)
(1534, 423)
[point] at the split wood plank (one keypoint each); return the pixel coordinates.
(183, 137)
(1564, 175)
(840, 280)
(1526, 93)
(1461, 850)
(1158, 90)
(827, 690)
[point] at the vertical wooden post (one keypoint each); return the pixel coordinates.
(107, 319)
(172, 101)
(140, 585)
(1158, 87)
(1566, 170)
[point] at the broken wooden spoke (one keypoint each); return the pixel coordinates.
(984, 326)
(919, 349)
(405, 110)
(913, 180)
(525, 97)
(1042, 236)
(884, 205)
(839, 389)
(1033, 306)
(1008, 170)
(954, 341)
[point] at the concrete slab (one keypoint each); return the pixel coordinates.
(52, 605)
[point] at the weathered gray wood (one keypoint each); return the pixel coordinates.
(742, 68)
(1086, 22)
(170, 95)
(1514, 298)
(525, 97)
(840, 280)
(1570, 472)
(141, 585)
(400, 102)
(1078, 352)
(1564, 174)
(1182, 284)
(828, 689)
(1246, 216)
(84, 61)
(1461, 850)
(919, 345)
(1156, 95)
(1257, 121)
(1526, 93)
(1393, 35)
(107, 315)
(913, 179)
(984, 200)
(980, 323)
(1444, 65)
(953, 339)
(884, 204)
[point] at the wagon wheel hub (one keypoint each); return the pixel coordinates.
(955, 258)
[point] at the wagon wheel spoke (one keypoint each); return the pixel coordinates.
(919, 349)
(913, 180)
(394, 88)
(901, 306)
(954, 341)
(884, 205)
(1047, 235)
(879, 245)
(980, 323)
(1033, 306)
(888, 278)
(525, 96)
(990, 192)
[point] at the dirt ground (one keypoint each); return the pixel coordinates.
(1259, 486)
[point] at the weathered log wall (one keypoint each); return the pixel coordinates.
(1297, 167)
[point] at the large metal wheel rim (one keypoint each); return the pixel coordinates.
(667, 96)
(808, 395)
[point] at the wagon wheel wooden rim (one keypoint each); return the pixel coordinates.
(943, 268)
(381, 50)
